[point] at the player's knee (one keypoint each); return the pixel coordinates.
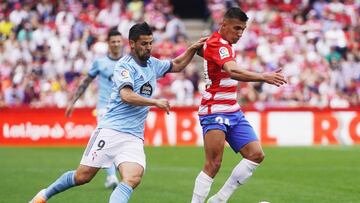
(260, 157)
(132, 181)
(82, 178)
(257, 156)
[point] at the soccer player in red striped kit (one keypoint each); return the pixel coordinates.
(220, 115)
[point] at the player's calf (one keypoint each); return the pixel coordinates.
(81, 179)
(84, 174)
(63, 183)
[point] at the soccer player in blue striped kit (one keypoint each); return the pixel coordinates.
(119, 137)
(103, 67)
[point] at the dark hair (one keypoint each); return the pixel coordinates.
(237, 13)
(139, 29)
(113, 32)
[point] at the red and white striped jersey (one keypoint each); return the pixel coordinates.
(220, 92)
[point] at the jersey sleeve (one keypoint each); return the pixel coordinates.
(94, 70)
(221, 54)
(123, 76)
(161, 67)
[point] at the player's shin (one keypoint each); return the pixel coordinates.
(202, 187)
(240, 174)
(64, 182)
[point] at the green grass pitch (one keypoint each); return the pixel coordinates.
(288, 175)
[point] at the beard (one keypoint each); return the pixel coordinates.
(143, 57)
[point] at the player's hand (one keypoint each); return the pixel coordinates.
(163, 104)
(275, 78)
(200, 52)
(199, 44)
(69, 110)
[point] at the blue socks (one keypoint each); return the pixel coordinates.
(66, 181)
(111, 171)
(121, 193)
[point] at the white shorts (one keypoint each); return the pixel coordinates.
(108, 146)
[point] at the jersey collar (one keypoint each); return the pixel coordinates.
(113, 59)
(221, 39)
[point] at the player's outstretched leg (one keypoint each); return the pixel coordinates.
(111, 179)
(66, 181)
(82, 175)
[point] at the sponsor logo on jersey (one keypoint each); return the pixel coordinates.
(146, 89)
(224, 52)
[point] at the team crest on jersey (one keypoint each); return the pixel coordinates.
(146, 89)
(124, 74)
(224, 52)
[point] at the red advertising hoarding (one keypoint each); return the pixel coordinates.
(283, 127)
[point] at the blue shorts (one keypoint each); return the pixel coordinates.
(237, 129)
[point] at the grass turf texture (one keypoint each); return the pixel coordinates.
(291, 175)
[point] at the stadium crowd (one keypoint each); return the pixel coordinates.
(317, 43)
(47, 46)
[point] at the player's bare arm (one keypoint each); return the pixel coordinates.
(79, 92)
(180, 62)
(130, 97)
(236, 73)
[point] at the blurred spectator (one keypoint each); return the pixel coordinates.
(19, 14)
(5, 26)
(180, 45)
(164, 49)
(174, 28)
(135, 7)
(110, 15)
(183, 90)
(14, 95)
(71, 75)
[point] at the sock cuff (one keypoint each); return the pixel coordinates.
(125, 187)
(72, 177)
(252, 165)
(205, 177)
